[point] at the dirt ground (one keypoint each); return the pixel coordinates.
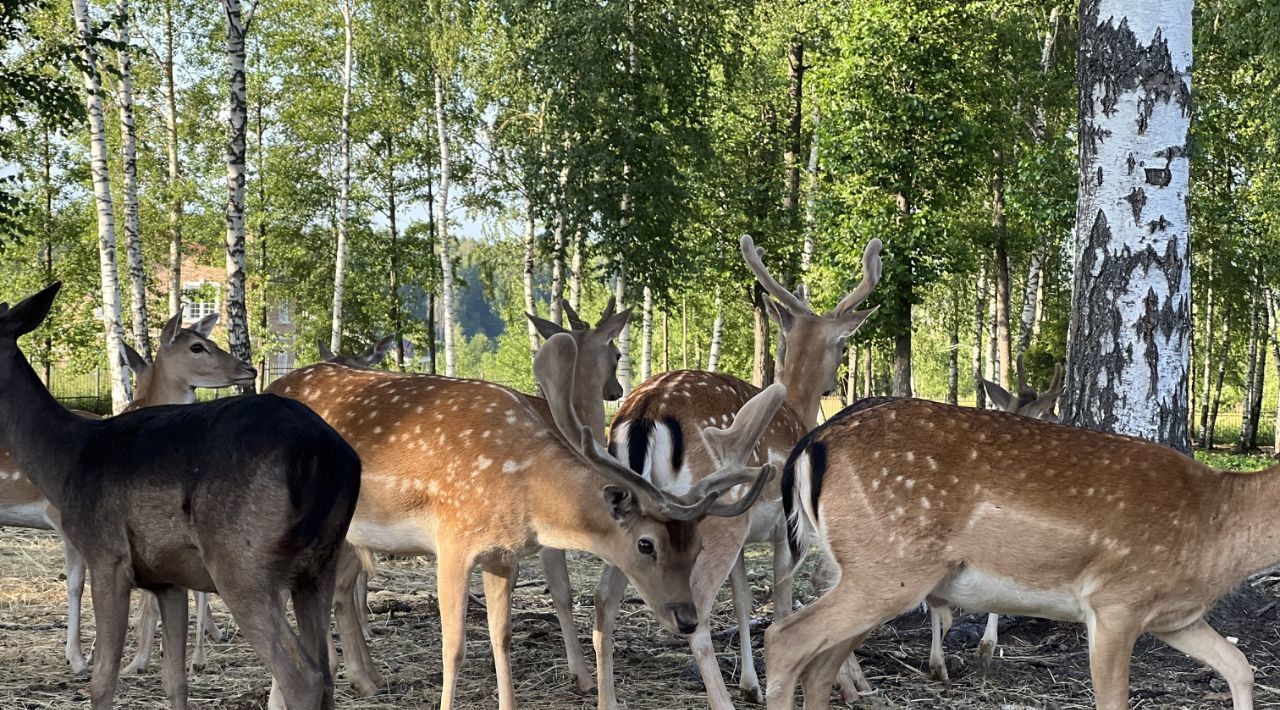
(1041, 665)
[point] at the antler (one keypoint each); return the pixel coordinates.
(609, 309)
(575, 321)
(732, 447)
(553, 367)
(755, 262)
(871, 269)
(325, 353)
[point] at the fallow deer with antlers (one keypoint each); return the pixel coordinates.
(470, 471)
(248, 496)
(185, 360)
(985, 510)
(655, 433)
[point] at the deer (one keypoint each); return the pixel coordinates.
(440, 452)
(186, 360)
(247, 496)
(1027, 403)
(655, 432)
(913, 500)
(370, 358)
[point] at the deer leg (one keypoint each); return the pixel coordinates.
(556, 570)
(297, 682)
(110, 590)
(939, 624)
(721, 547)
(1112, 634)
(173, 671)
(362, 604)
(313, 605)
(144, 632)
(987, 646)
(821, 674)
(212, 630)
(361, 670)
(1202, 643)
(852, 680)
(748, 681)
(783, 580)
(452, 573)
(75, 602)
(199, 659)
(613, 583)
(499, 583)
(838, 619)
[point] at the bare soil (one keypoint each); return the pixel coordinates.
(1039, 664)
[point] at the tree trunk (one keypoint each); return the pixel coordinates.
(666, 340)
(431, 333)
(1030, 295)
(761, 361)
(624, 337)
(529, 305)
(1130, 342)
(1246, 405)
(557, 261)
(868, 373)
(442, 227)
(1002, 334)
(791, 156)
(129, 161)
(575, 271)
(171, 145)
(993, 348)
(684, 333)
(121, 392)
(344, 188)
(397, 322)
(1260, 383)
(1208, 358)
(717, 332)
(237, 129)
(953, 353)
(1217, 388)
(806, 252)
(47, 253)
(646, 336)
(1272, 324)
(851, 376)
(902, 380)
(979, 329)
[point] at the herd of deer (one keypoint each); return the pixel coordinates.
(259, 498)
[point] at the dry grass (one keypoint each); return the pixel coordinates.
(1043, 666)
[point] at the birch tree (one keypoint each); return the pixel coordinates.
(238, 23)
(121, 390)
(344, 188)
(175, 171)
(129, 163)
(1129, 346)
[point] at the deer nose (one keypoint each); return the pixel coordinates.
(686, 617)
(253, 371)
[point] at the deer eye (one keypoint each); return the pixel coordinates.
(645, 545)
(197, 347)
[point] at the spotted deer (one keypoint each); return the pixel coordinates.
(185, 360)
(915, 500)
(438, 452)
(250, 496)
(655, 433)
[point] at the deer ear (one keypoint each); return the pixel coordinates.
(325, 353)
(850, 322)
(136, 362)
(544, 327)
(28, 315)
(376, 352)
(621, 503)
(998, 395)
(205, 325)
(171, 328)
(613, 325)
(778, 313)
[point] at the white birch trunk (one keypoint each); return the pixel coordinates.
(442, 227)
(171, 145)
(851, 377)
(1275, 352)
(344, 188)
(557, 264)
(121, 392)
(646, 336)
(624, 337)
(1030, 291)
(1129, 349)
(717, 335)
(237, 134)
(810, 203)
(529, 305)
(129, 161)
(979, 319)
(575, 271)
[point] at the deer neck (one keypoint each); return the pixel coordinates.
(38, 432)
(804, 394)
(162, 386)
(590, 411)
(569, 511)
(1246, 515)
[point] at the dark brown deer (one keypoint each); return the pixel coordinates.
(247, 496)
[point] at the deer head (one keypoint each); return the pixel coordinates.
(597, 368)
(367, 360)
(1028, 403)
(814, 342)
(23, 318)
(186, 359)
(656, 540)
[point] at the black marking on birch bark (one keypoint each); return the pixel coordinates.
(1112, 58)
(1158, 225)
(1130, 163)
(1160, 177)
(1099, 175)
(1137, 199)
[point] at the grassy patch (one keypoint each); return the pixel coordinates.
(1234, 462)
